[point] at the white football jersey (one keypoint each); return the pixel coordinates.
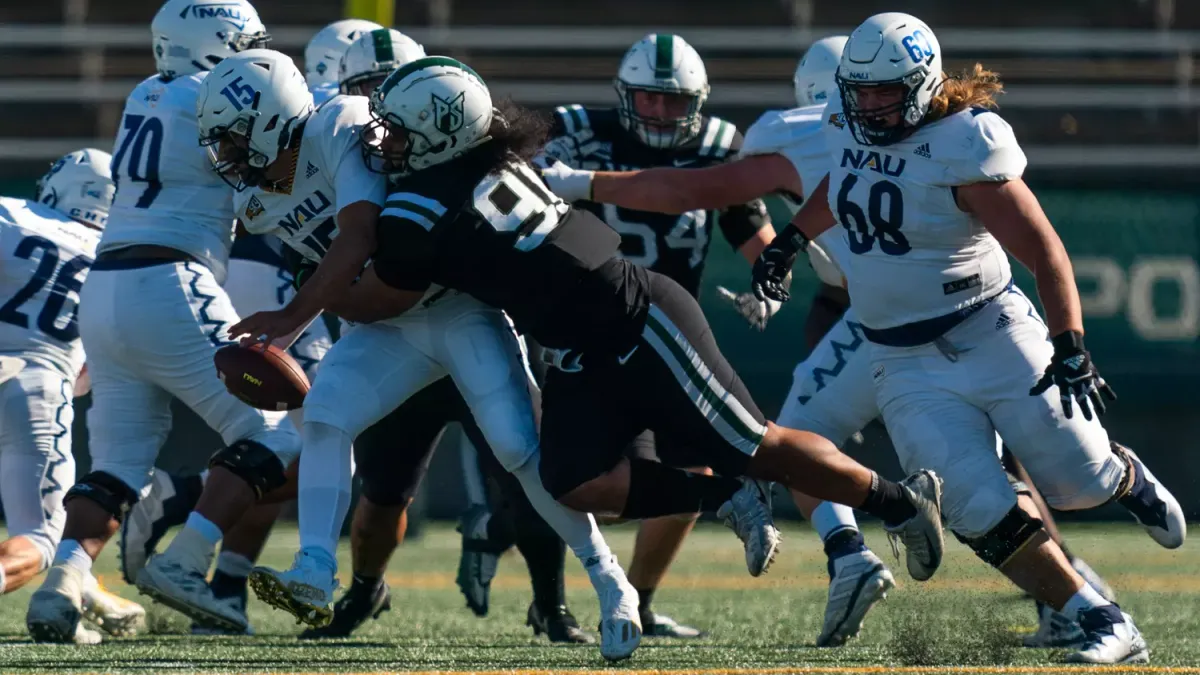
(799, 136)
(167, 192)
(912, 253)
(44, 258)
(323, 92)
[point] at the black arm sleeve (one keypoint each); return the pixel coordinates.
(404, 254)
(741, 222)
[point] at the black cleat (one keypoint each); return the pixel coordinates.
(559, 626)
(352, 610)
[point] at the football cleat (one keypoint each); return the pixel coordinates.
(168, 504)
(235, 604)
(857, 581)
(1151, 504)
(922, 534)
(185, 590)
(661, 625)
(748, 514)
(1111, 638)
(559, 625)
(357, 604)
(111, 613)
(55, 609)
(305, 591)
(620, 621)
(478, 560)
(1055, 629)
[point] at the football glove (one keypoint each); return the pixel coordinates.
(756, 312)
(569, 184)
(1072, 370)
(774, 265)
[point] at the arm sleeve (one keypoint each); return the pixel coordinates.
(404, 254)
(741, 222)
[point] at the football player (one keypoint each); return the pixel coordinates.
(661, 86)
(630, 348)
(48, 246)
(166, 244)
(927, 183)
(324, 51)
(374, 54)
(327, 211)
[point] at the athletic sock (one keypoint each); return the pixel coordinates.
(71, 553)
(229, 581)
(886, 501)
(830, 518)
(645, 597)
(545, 557)
(205, 528)
(659, 490)
(323, 495)
(577, 529)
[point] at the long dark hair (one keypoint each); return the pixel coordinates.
(518, 134)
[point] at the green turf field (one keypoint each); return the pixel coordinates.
(965, 620)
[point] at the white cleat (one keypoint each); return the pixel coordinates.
(1110, 640)
(305, 591)
(748, 514)
(922, 534)
(1055, 629)
(55, 612)
(112, 613)
(1094, 579)
(186, 590)
(620, 621)
(1155, 508)
(236, 606)
(859, 581)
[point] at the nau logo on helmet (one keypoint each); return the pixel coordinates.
(230, 11)
(254, 208)
(885, 164)
(448, 115)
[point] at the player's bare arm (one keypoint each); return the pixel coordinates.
(671, 190)
(372, 300)
(1011, 212)
(754, 245)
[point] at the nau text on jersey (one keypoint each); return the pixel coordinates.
(861, 159)
(313, 205)
(230, 11)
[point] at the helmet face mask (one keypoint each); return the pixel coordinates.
(890, 50)
(239, 165)
(657, 75)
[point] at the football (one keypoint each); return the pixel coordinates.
(264, 377)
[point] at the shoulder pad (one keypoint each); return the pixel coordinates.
(779, 129)
(718, 138)
(571, 119)
(977, 145)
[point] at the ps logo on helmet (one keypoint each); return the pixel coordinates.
(449, 114)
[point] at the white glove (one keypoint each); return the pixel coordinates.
(569, 184)
(756, 312)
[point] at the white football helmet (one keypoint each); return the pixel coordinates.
(79, 185)
(249, 110)
(190, 36)
(442, 105)
(815, 76)
(372, 56)
(889, 49)
(662, 62)
(326, 48)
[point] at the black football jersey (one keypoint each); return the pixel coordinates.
(672, 244)
(504, 238)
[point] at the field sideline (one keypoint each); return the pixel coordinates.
(964, 621)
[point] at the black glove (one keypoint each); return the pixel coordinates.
(1072, 370)
(775, 263)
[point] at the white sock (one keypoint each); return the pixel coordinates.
(577, 529)
(234, 564)
(70, 553)
(90, 582)
(324, 491)
(1084, 599)
(3, 581)
(829, 517)
(205, 528)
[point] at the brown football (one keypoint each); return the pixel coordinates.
(268, 379)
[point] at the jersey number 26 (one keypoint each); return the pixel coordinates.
(66, 280)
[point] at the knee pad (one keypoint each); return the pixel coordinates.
(105, 489)
(254, 463)
(1004, 540)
